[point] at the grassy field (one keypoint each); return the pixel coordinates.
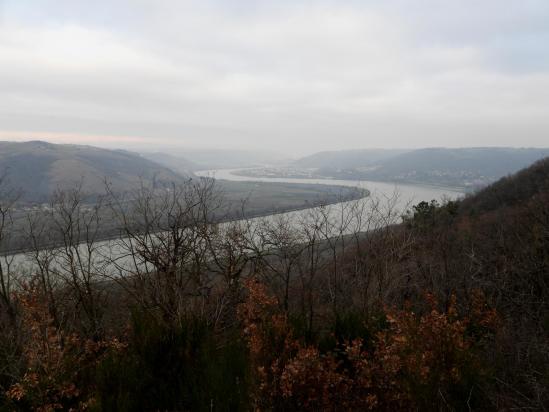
(248, 199)
(261, 198)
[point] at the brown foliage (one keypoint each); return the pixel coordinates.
(56, 360)
(412, 363)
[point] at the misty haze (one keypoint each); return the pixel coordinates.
(280, 206)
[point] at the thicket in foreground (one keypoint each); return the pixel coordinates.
(405, 361)
(343, 308)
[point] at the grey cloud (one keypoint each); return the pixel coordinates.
(299, 76)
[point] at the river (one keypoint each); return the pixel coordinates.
(112, 255)
(407, 194)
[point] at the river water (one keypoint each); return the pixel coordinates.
(407, 194)
(112, 255)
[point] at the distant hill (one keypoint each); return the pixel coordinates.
(38, 168)
(347, 158)
(191, 160)
(176, 163)
(228, 159)
(491, 162)
(464, 167)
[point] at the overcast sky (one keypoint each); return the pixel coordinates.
(292, 76)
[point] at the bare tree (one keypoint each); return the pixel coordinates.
(161, 256)
(10, 356)
(8, 200)
(65, 240)
(283, 246)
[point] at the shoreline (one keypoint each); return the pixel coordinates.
(460, 189)
(361, 194)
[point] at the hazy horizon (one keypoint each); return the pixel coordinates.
(290, 77)
(188, 151)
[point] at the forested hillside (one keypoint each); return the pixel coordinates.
(445, 309)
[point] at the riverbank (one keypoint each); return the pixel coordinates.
(244, 200)
(254, 173)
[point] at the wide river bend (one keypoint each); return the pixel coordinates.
(112, 256)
